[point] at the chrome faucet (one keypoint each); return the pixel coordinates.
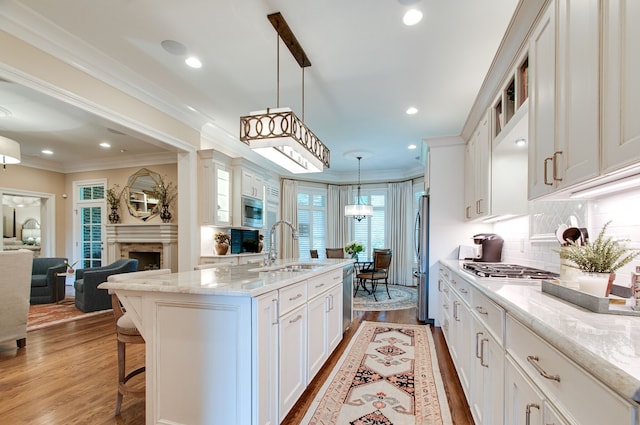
(272, 256)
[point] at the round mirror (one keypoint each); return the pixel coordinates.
(140, 194)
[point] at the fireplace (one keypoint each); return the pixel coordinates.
(146, 260)
(153, 245)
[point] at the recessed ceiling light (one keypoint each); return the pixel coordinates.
(411, 147)
(412, 111)
(412, 17)
(520, 142)
(105, 145)
(193, 62)
(47, 152)
(174, 47)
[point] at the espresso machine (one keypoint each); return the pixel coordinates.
(490, 247)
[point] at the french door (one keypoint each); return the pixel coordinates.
(89, 218)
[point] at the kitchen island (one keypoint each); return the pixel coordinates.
(234, 344)
(576, 366)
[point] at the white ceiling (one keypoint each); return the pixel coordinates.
(367, 69)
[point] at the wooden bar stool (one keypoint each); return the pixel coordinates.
(127, 333)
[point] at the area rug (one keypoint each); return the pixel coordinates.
(43, 315)
(388, 375)
(402, 297)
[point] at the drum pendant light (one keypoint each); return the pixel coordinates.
(358, 211)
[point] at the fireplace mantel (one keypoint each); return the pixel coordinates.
(123, 235)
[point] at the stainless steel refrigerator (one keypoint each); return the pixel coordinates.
(421, 239)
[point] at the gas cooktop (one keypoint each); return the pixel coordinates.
(507, 271)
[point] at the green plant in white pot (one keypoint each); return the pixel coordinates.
(598, 260)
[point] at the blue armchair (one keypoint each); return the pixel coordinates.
(44, 273)
(88, 296)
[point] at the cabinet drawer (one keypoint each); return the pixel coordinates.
(445, 273)
(461, 287)
(490, 314)
(577, 394)
(292, 296)
(318, 284)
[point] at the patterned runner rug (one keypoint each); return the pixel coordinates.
(388, 375)
(43, 315)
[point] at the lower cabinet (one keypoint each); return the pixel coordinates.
(293, 358)
(297, 329)
(525, 404)
(487, 377)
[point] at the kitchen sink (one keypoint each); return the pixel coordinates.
(294, 267)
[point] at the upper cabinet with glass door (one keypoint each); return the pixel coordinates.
(214, 183)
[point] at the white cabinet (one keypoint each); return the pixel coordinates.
(325, 319)
(266, 376)
(444, 304)
(460, 332)
(487, 361)
(542, 80)
(571, 390)
(251, 184)
(478, 172)
(621, 86)
(564, 113)
(525, 404)
(215, 190)
(293, 358)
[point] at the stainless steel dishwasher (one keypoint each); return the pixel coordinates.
(347, 295)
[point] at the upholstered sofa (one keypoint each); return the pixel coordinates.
(44, 274)
(15, 268)
(88, 296)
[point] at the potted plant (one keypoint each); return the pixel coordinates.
(222, 240)
(165, 193)
(114, 194)
(598, 261)
(70, 269)
(353, 248)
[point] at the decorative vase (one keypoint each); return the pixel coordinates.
(70, 270)
(597, 284)
(114, 217)
(221, 248)
(165, 215)
(354, 255)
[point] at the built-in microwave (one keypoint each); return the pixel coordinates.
(252, 212)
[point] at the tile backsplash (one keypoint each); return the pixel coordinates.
(621, 209)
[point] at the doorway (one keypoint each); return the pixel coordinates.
(28, 221)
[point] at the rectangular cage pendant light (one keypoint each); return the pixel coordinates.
(278, 134)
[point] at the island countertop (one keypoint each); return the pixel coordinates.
(243, 280)
(606, 345)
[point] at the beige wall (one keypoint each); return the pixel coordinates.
(41, 181)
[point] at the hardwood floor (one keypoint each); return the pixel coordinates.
(67, 374)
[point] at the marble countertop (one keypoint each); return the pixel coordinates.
(606, 345)
(243, 280)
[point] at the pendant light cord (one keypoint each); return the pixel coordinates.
(358, 198)
(278, 71)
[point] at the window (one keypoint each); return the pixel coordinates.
(312, 220)
(89, 226)
(370, 231)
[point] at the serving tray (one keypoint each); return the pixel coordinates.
(588, 301)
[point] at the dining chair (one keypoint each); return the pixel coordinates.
(127, 333)
(380, 271)
(335, 252)
(314, 253)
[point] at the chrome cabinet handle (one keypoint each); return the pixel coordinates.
(445, 306)
(455, 311)
(548, 183)
(298, 317)
(439, 285)
(527, 415)
(464, 290)
(478, 345)
(480, 205)
(534, 362)
(274, 311)
(482, 363)
(446, 290)
(319, 286)
(482, 310)
(467, 212)
(295, 298)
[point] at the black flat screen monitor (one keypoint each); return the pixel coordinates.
(244, 241)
